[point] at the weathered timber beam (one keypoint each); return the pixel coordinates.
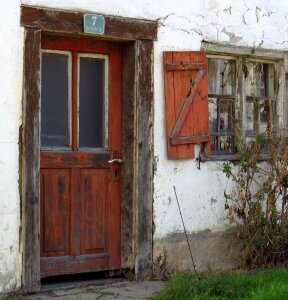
(30, 162)
(115, 27)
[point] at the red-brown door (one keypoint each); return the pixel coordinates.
(80, 140)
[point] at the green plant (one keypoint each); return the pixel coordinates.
(264, 285)
(258, 203)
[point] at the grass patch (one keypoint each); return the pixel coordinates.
(261, 285)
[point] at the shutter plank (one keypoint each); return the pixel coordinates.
(169, 106)
(200, 112)
(181, 88)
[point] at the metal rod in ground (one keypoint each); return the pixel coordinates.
(194, 266)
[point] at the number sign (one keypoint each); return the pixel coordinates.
(94, 24)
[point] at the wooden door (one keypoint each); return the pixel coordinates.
(80, 140)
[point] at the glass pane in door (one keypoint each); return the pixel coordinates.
(54, 100)
(92, 102)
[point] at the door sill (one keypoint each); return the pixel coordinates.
(65, 265)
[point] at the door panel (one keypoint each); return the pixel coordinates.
(94, 212)
(55, 198)
(80, 229)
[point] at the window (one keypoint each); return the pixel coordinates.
(67, 124)
(210, 100)
(241, 100)
(55, 99)
(92, 102)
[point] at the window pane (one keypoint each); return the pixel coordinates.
(92, 102)
(221, 76)
(259, 79)
(213, 111)
(250, 115)
(214, 143)
(263, 107)
(226, 115)
(222, 144)
(54, 100)
(221, 114)
(221, 122)
(227, 144)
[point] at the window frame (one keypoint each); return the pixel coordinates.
(241, 97)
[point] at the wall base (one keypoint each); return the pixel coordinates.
(218, 250)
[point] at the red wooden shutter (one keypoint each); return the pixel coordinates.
(187, 117)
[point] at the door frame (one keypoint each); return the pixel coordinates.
(137, 38)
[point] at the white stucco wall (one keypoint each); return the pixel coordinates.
(239, 23)
(11, 54)
(182, 26)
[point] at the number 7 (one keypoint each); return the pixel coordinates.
(94, 20)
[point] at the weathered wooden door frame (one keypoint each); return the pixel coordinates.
(137, 183)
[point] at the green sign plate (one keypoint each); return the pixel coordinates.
(94, 24)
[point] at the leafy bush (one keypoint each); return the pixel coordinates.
(258, 203)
